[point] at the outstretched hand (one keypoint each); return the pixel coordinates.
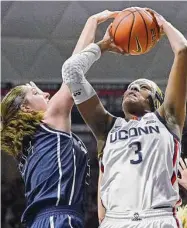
(183, 171)
(105, 15)
(160, 20)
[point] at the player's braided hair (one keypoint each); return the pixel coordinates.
(15, 123)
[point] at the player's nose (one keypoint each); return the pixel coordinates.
(46, 95)
(135, 87)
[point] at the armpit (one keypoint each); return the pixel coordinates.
(172, 124)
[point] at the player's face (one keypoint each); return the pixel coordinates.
(135, 100)
(36, 99)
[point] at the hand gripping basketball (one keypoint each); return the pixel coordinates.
(105, 15)
(135, 30)
(160, 20)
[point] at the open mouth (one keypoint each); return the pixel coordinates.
(132, 94)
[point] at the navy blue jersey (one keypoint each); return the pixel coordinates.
(54, 167)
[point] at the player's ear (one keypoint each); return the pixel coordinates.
(25, 108)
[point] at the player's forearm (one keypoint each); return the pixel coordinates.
(85, 59)
(74, 70)
(88, 34)
(176, 38)
(81, 61)
(87, 37)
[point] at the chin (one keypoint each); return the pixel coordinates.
(133, 107)
(128, 103)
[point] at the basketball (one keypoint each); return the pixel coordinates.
(135, 31)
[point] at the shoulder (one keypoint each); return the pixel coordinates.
(118, 122)
(114, 123)
(172, 128)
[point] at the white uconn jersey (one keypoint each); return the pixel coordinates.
(140, 165)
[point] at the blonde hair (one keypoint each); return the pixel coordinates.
(182, 214)
(15, 123)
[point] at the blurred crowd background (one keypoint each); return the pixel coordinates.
(36, 38)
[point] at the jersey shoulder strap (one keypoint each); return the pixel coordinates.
(101, 143)
(118, 123)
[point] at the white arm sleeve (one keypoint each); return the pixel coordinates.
(74, 70)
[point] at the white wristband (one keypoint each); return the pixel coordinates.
(81, 92)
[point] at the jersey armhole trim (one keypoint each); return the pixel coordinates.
(106, 134)
(54, 131)
(163, 121)
(101, 166)
(110, 126)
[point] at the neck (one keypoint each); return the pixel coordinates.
(129, 116)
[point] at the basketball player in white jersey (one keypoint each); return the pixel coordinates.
(139, 185)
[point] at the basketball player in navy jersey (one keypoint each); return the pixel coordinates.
(36, 130)
(141, 151)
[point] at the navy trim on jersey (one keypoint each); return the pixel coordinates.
(111, 125)
(107, 131)
(162, 120)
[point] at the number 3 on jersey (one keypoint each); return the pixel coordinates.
(136, 146)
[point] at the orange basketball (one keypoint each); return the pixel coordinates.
(135, 31)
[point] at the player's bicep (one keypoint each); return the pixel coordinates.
(61, 103)
(174, 106)
(58, 114)
(169, 121)
(96, 116)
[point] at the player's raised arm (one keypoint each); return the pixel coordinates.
(61, 103)
(85, 97)
(88, 33)
(174, 107)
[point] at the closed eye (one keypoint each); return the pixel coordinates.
(145, 87)
(35, 92)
